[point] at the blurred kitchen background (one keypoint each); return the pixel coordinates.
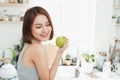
(87, 23)
(90, 25)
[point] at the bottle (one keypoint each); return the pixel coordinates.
(107, 68)
(20, 1)
(1, 15)
(25, 1)
(118, 19)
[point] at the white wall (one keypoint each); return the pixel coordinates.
(10, 32)
(77, 22)
(104, 31)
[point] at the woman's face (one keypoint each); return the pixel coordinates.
(41, 28)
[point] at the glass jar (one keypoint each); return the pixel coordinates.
(20, 1)
(11, 1)
(6, 18)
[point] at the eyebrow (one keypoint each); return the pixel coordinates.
(41, 24)
(38, 24)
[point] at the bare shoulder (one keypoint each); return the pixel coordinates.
(36, 49)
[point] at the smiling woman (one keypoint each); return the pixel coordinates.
(37, 27)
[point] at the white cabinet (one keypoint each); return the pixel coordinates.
(67, 73)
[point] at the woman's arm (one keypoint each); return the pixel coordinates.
(40, 61)
(55, 64)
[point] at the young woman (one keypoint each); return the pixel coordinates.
(32, 63)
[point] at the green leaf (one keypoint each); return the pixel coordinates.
(68, 57)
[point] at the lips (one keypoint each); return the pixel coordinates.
(44, 35)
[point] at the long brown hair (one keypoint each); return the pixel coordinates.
(29, 17)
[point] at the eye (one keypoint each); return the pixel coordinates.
(38, 27)
(48, 24)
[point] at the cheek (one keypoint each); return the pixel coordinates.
(35, 31)
(50, 29)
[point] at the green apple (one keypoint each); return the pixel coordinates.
(60, 41)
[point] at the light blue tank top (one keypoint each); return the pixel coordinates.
(24, 72)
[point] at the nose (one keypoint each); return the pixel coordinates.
(44, 29)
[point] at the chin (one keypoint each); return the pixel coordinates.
(45, 39)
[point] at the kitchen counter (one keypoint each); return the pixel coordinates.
(99, 76)
(96, 75)
(69, 73)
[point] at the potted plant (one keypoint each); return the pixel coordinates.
(88, 57)
(68, 60)
(18, 48)
(87, 62)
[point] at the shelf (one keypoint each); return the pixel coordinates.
(12, 4)
(12, 16)
(116, 7)
(16, 22)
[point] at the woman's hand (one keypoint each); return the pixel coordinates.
(61, 50)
